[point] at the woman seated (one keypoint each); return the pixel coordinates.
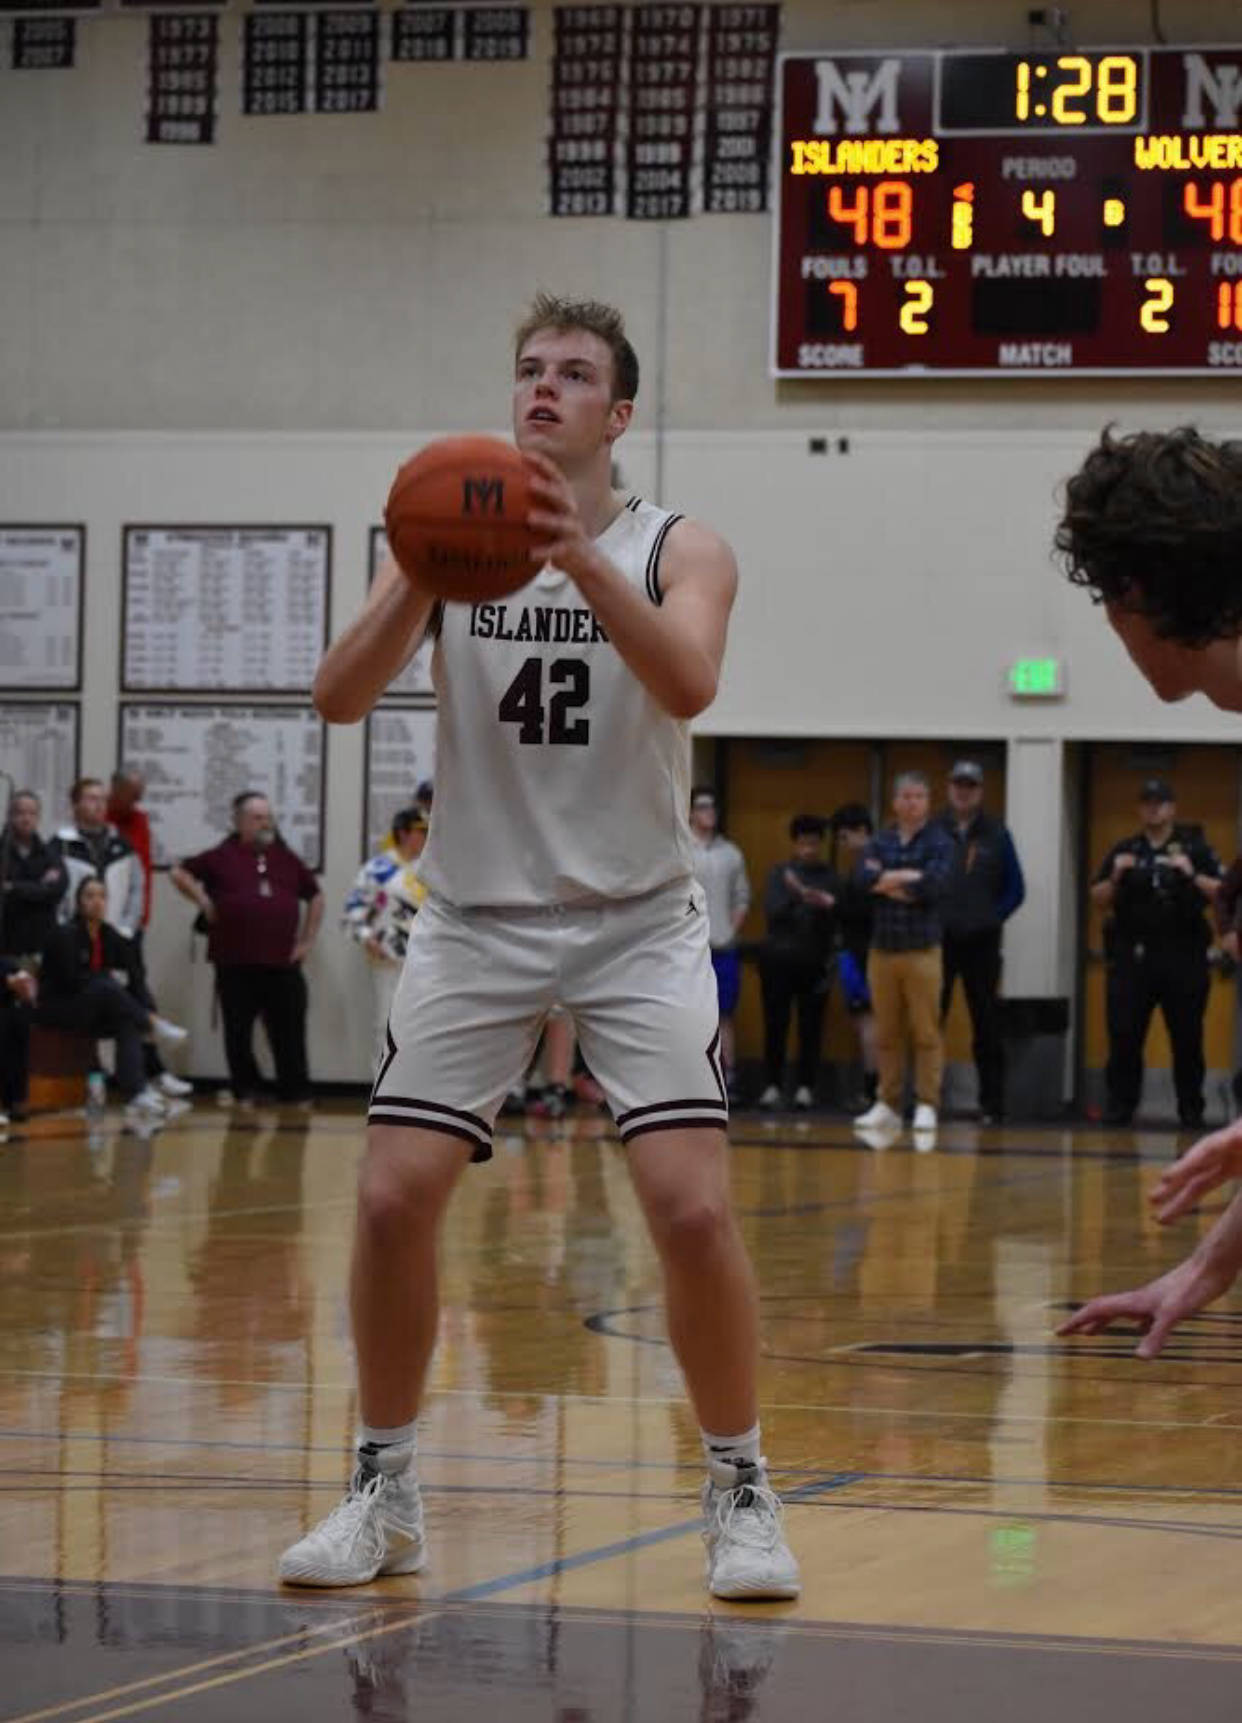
(78, 991)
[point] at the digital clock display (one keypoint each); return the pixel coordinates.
(1009, 214)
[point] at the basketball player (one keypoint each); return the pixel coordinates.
(1153, 529)
(559, 871)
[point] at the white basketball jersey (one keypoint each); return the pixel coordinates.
(558, 776)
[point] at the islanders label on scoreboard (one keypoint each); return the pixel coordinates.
(1015, 214)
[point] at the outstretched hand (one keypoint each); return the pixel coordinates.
(1213, 1161)
(1156, 1307)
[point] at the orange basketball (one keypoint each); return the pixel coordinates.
(456, 519)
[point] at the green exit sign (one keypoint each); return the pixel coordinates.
(1036, 679)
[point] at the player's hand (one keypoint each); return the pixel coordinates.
(1213, 1161)
(1157, 1307)
(559, 535)
(22, 985)
(1122, 864)
(301, 950)
(794, 884)
(819, 899)
(1229, 944)
(1183, 864)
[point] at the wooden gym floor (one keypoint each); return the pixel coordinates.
(991, 1523)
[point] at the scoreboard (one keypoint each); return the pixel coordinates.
(967, 212)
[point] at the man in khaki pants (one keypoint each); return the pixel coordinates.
(907, 869)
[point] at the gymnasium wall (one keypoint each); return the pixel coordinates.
(260, 329)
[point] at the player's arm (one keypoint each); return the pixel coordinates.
(674, 648)
(377, 645)
(1104, 886)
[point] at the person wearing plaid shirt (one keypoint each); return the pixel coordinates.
(906, 868)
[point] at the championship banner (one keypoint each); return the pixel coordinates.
(182, 70)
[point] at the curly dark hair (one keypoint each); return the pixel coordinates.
(1153, 522)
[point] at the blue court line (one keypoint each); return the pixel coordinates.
(625, 1546)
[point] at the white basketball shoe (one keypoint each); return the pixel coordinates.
(376, 1529)
(747, 1556)
(878, 1117)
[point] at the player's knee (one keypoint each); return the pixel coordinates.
(693, 1225)
(396, 1200)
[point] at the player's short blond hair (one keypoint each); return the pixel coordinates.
(547, 311)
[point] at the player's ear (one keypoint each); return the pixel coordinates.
(619, 416)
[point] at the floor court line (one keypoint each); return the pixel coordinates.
(848, 1409)
(624, 1546)
(66, 1706)
(404, 1625)
(962, 1480)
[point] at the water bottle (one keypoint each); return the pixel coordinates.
(96, 1100)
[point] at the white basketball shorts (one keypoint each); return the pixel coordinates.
(634, 974)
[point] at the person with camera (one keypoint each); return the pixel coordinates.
(1157, 887)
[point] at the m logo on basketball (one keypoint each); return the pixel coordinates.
(483, 496)
(856, 96)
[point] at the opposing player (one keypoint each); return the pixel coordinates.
(1153, 529)
(559, 868)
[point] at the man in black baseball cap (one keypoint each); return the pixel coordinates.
(1156, 886)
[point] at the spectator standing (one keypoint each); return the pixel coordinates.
(250, 890)
(380, 910)
(1157, 887)
(799, 903)
(131, 822)
(18, 990)
(852, 829)
(77, 990)
(985, 888)
(33, 880)
(906, 868)
(91, 848)
(720, 868)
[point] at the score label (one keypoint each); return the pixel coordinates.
(1029, 213)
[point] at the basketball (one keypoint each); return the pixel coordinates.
(456, 519)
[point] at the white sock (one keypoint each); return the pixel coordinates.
(387, 1450)
(726, 1454)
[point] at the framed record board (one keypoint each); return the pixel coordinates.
(195, 759)
(208, 609)
(41, 582)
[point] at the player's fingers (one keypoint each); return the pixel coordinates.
(1090, 1317)
(1152, 1343)
(1185, 1197)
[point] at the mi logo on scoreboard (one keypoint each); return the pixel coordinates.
(851, 100)
(1217, 81)
(483, 497)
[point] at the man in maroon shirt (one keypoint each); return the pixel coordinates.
(250, 890)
